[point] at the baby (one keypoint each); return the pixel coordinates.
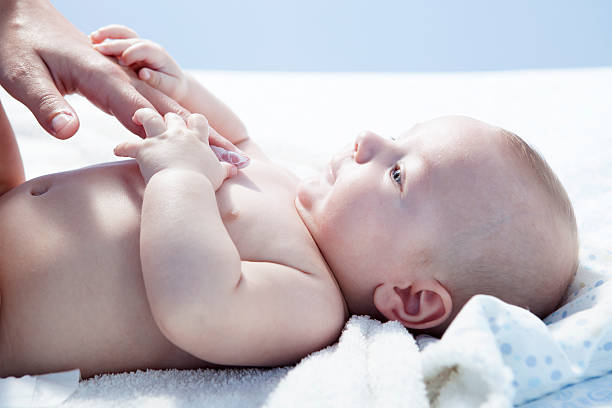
(176, 260)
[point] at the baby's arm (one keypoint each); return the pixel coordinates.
(204, 299)
(156, 67)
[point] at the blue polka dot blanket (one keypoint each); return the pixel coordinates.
(533, 363)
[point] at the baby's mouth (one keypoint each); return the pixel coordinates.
(336, 163)
(330, 176)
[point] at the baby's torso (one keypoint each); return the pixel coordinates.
(71, 287)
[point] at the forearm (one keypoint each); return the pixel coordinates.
(189, 262)
(11, 166)
(219, 115)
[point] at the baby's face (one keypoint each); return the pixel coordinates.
(383, 204)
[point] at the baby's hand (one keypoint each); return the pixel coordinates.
(173, 144)
(149, 60)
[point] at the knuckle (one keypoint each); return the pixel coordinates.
(152, 46)
(179, 134)
(149, 45)
(19, 71)
(46, 101)
(144, 112)
(180, 111)
(104, 68)
(148, 142)
(137, 46)
(198, 117)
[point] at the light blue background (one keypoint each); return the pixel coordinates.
(361, 35)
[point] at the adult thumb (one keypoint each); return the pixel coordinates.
(39, 93)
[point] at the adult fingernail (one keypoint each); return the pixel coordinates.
(60, 121)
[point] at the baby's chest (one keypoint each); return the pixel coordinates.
(258, 210)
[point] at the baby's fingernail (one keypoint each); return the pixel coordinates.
(60, 121)
(145, 74)
(239, 161)
(233, 157)
(93, 34)
(120, 61)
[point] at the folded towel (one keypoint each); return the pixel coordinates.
(373, 365)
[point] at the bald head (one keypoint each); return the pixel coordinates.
(514, 235)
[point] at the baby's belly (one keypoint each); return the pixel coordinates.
(72, 293)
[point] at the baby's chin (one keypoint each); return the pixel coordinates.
(313, 189)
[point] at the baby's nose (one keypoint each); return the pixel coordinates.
(366, 146)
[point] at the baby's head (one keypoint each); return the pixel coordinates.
(414, 227)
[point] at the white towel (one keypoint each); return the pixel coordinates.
(373, 365)
(45, 390)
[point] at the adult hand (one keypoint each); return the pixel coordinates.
(43, 57)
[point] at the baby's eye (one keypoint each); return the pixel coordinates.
(396, 174)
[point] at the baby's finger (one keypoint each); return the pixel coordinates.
(146, 51)
(229, 170)
(152, 121)
(112, 31)
(199, 123)
(127, 149)
(215, 139)
(230, 157)
(115, 47)
(158, 80)
(173, 120)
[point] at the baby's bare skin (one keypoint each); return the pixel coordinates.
(72, 291)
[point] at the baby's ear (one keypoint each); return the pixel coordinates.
(417, 305)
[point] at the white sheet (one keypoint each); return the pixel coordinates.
(301, 119)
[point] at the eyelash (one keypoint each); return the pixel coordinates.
(393, 170)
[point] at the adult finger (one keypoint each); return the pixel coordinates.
(112, 31)
(160, 101)
(156, 79)
(123, 101)
(151, 121)
(119, 92)
(31, 83)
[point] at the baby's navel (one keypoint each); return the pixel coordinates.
(40, 187)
